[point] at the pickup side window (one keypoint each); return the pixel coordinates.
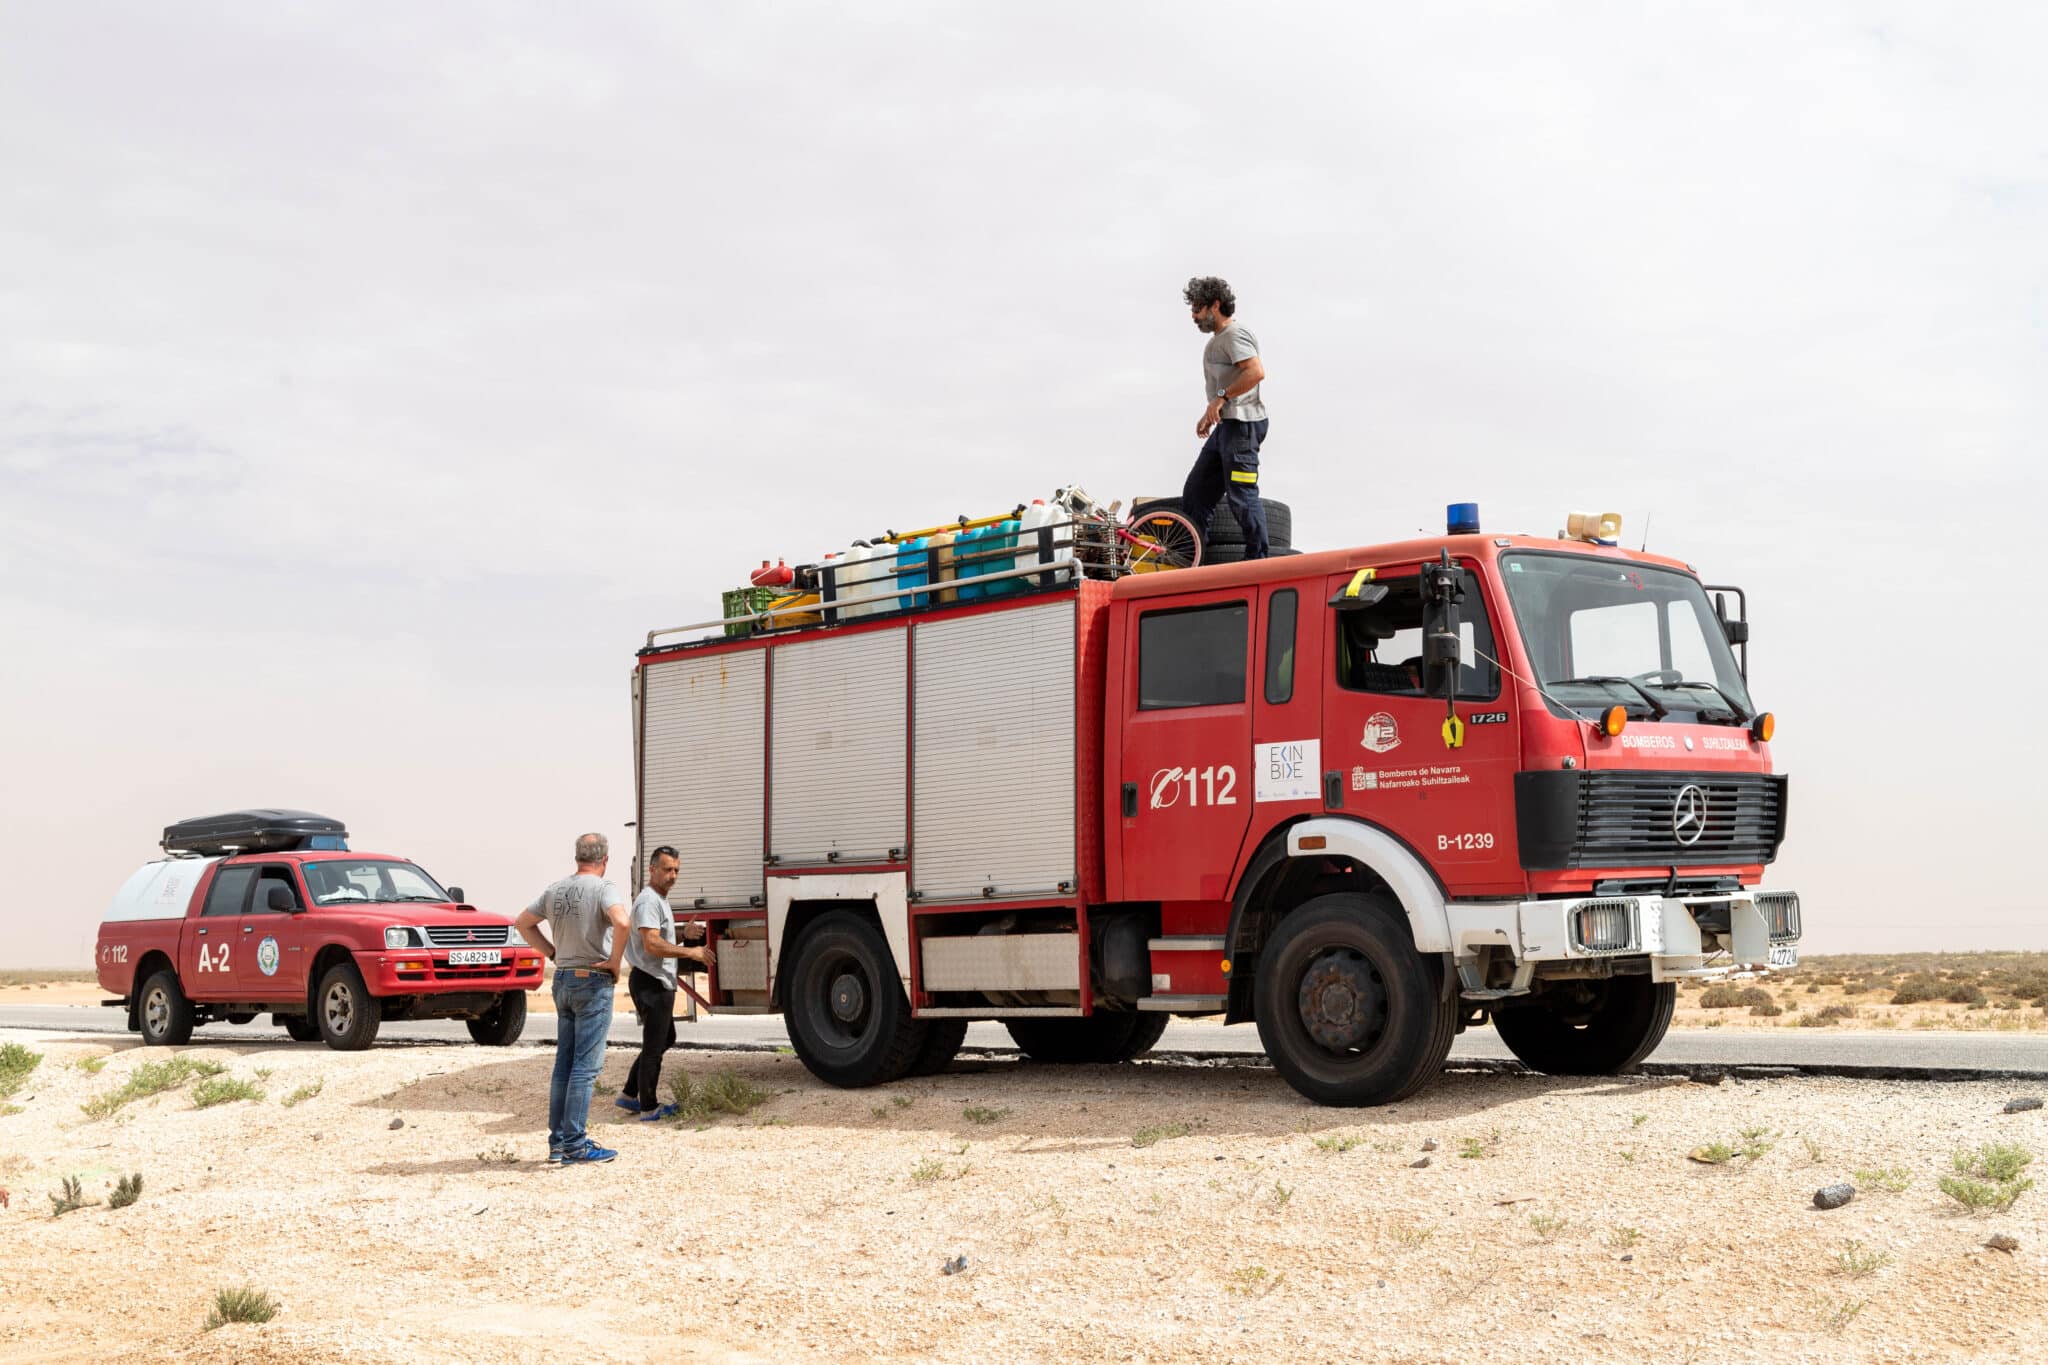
(267, 877)
(230, 891)
(1192, 656)
(1379, 649)
(1280, 648)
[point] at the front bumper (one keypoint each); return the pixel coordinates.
(427, 971)
(1759, 931)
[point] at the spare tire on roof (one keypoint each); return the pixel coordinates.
(1224, 530)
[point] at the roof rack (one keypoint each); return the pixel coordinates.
(254, 831)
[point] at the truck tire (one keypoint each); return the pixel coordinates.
(942, 1040)
(1589, 1028)
(1223, 527)
(300, 1028)
(503, 1025)
(345, 1012)
(163, 1011)
(1097, 1040)
(1347, 1009)
(848, 1017)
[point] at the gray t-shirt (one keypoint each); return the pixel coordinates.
(574, 908)
(1219, 371)
(651, 911)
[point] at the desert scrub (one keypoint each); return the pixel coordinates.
(931, 1170)
(247, 1304)
(1991, 1177)
(16, 1062)
(1254, 1280)
(1855, 1260)
(1766, 1011)
(223, 1090)
(151, 1078)
(981, 1113)
(70, 1195)
(302, 1094)
(1726, 997)
(1547, 1227)
(1622, 1238)
(1146, 1137)
(1890, 1179)
(127, 1190)
(91, 1066)
(727, 1092)
(1337, 1143)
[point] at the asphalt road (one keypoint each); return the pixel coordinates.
(1803, 1048)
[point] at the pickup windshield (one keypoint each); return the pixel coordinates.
(1603, 632)
(353, 881)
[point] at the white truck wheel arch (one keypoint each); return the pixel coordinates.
(1404, 873)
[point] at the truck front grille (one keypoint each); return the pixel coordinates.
(1575, 818)
(467, 936)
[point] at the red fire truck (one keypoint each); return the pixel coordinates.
(1364, 798)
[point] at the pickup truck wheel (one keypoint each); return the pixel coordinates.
(345, 1012)
(1097, 1040)
(503, 1025)
(848, 1017)
(1347, 1009)
(942, 1040)
(298, 1027)
(163, 1012)
(1589, 1028)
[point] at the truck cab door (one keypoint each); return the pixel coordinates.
(1450, 802)
(1185, 791)
(267, 941)
(206, 957)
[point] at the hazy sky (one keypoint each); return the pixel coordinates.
(373, 377)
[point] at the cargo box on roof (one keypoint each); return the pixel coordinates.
(254, 831)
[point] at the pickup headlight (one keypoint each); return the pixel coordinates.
(396, 937)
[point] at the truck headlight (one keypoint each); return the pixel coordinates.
(1605, 926)
(397, 938)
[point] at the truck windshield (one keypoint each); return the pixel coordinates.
(353, 881)
(1602, 633)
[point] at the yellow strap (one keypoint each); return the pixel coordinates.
(1244, 476)
(1454, 733)
(1358, 580)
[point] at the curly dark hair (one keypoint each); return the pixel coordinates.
(1204, 290)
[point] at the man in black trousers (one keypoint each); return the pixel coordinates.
(653, 951)
(1234, 420)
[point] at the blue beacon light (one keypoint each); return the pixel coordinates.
(1462, 519)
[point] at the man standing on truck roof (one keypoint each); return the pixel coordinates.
(582, 912)
(1234, 420)
(652, 951)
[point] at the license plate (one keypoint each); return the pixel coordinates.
(1784, 955)
(474, 957)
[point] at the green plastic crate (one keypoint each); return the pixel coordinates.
(745, 602)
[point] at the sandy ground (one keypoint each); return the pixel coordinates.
(1557, 1220)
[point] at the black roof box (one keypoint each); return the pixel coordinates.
(254, 831)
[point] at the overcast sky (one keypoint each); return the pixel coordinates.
(373, 377)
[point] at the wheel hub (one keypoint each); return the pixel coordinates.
(157, 1010)
(849, 997)
(1343, 1003)
(340, 1008)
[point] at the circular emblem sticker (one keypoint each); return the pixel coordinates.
(266, 956)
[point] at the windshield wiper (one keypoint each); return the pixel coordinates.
(423, 898)
(1740, 715)
(1658, 710)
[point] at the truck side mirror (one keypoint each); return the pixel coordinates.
(279, 899)
(455, 894)
(1442, 642)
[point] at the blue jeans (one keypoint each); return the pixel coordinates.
(1227, 470)
(583, 1020)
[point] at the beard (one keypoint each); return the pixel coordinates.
(1205, 324)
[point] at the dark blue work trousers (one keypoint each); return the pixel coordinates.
(1227, 470)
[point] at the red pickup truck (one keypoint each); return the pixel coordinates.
(270, 912)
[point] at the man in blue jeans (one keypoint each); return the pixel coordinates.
(586, 917)
(1234, 419)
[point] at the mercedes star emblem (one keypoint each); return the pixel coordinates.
(1689, 814)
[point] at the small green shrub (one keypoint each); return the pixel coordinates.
(223, 1090)
(1146, 1137)
(91, 1066)
(1338, 1143)
(1622, 1238)
(70, 1196)
(1890, 1179)
(1966, 993)
(1766, 1011)
(727, 1092)
(1919, 989)
(2001, 1161)
(303, 1093)
(1547, 1226)
(127, 1190)
(16, 1062)
(247, 1304)
(981, 1113)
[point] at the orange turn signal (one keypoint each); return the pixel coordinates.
(1313, 841)
(1763, 727)
(1613, 721)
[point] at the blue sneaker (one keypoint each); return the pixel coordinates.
(629, 1104)
(589, 1154)
(667, 1111)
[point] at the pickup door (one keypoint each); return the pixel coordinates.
(270, 958)
(206, 957)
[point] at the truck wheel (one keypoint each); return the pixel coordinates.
(344, 1010)
(503, 1025)
(848, 1017)
(298, 1027)
(1096, 1040)
(1589, 1028)
(942, 1040)
(1347, 1009)
(163, 1011)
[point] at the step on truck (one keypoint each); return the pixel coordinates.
(269, 912)
(1363, 799)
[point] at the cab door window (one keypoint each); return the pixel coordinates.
(1192, 656)
(1379, 649)
(267, 877)
(230, 891)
